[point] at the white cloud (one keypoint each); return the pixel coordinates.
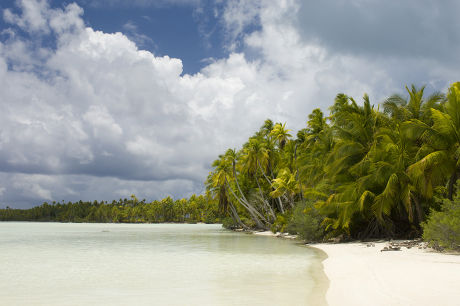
(237, 16)
(97, 117)
(34, 15)
(103, 125)
(144, 3)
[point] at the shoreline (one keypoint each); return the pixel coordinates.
(362, 273)
(322, 282)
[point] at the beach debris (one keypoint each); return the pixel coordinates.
(408, 244)
(337, 239)
(391, 248)
(370, 244)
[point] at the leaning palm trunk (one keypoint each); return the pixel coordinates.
(236, 217)
(271, 185)
(248, 206)
(255, 215)
(452, 181)
(270, 210)
(237, 184)
(297, 173)
(289, 200)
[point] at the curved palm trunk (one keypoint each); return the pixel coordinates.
(236, 217)
(255, 215)
(452, 181)
(297, 173)
(418, 209)
(236, 181)
(270, 210)
(248, 205)
(289, 200)
(271, 185)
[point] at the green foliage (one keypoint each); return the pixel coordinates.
(285, 183)
(306, 221)
(248, 222)
(195, 209)
(229, 223)
(280, 223)
(443, 227)
(364, 172)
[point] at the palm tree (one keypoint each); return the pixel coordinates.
(281, 134)
(314, 150)
(266, 128)
(217, 183)
(441, 147)
(393, 154)
(285, 184)
(232, 156)
(355, 128)
(416, 107)
(256, 158)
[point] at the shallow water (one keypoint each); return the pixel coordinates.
(152, 264)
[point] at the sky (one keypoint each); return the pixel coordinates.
(103, 99)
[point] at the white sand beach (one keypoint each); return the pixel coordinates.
(362, 275)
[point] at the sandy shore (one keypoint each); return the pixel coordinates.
(269, 233)
(362, 275)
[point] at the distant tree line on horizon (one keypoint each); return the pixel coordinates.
(192, 210)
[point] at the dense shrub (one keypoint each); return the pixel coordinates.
(280, 223)
(229, 223)
(306, 222)
(442, 229)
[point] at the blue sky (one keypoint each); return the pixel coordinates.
(101, 99)
(193, 33)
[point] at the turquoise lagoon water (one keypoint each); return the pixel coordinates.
(153, 264)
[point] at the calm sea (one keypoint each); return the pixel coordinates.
(153, 264)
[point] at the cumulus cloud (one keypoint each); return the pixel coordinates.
(142, 3)
(34, 16)
(96, 117)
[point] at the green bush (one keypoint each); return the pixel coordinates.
(442, 229)
(280, 223)
(306, 222)
(229, 223)
(210, 218)
(248, 222)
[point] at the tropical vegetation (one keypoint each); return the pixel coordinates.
(192, 210)
(361, 171)
(442, 229)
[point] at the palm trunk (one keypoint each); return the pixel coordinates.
(271, 185)
(418, 209)
(255, 215)
(236, 217)
(270, 210)
(243, 196)
(297, 173)
(452, 181)
(236, 181)
(289, 200)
